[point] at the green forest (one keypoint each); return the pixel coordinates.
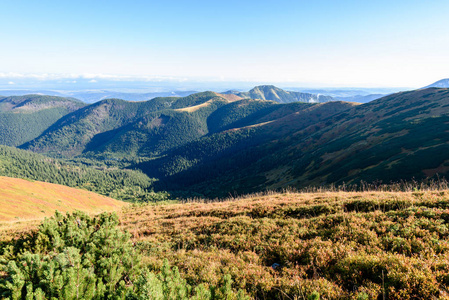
(122, 184)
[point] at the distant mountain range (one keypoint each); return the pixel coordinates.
(263, 92)
(215, 143)
(359, 95)
(91, 96)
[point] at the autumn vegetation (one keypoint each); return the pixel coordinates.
(326, 245)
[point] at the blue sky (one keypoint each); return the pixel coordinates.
(307, 43)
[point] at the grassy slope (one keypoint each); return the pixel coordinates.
(401, 136)
(338, 244)
(21, 199)
(341, 244)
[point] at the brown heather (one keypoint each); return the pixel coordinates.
(340, 245)
(335, 243)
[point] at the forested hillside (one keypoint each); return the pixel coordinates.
(128, 128)
(23, 118)
(117, 128)
(232, 150)
(398, 137)
(121, 184)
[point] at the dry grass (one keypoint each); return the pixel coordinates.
(194, 108)
(321, 239)
(338, 243)
(229, 97)
(150, 221)
(27, 200)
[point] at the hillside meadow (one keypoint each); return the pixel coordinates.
(22, 199)
(326, 245)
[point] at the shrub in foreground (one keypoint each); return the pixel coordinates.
(74, 256)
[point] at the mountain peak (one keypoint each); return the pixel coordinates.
(443, 83)
(266, 86)
(273, 93)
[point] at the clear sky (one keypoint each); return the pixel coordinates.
(320, 42)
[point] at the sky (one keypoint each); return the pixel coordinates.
(296, 43)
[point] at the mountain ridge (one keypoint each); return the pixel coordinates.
(212, 144)
(363, 143)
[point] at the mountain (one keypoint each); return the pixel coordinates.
(23, 199)
(98, 95)
(215, 144)
(403, 136)
(349, 92)
(237, 145)
(118, 128)
(34, 103)
(443, 83)
(359, 95)
(23, 118)
(270, 92)
(129, 128)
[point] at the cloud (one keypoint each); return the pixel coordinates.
(93, 81)
(11, 82)
(91, 77)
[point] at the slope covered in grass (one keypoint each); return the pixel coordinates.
(343, 245)
(340, 245)
(22, 199)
